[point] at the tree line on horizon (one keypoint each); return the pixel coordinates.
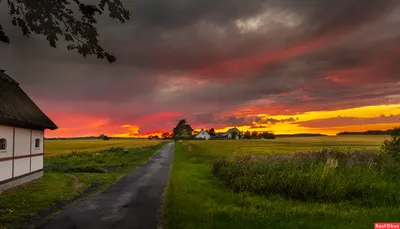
(184, 131)
(369, 132)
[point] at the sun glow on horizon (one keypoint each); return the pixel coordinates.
(286, 124)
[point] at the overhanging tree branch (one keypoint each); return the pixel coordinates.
(46, 17)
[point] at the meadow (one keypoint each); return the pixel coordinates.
(292, 144)
(73, 169)
(213, 184)
(60, 147)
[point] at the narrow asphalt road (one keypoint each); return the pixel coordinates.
(133, 202)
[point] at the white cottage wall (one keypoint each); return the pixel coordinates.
(37, 152)
(37, 134)
(36, 163)
(21, 158)
(21, 166)
(6, 132)
(5, 170)
(22, 148)
(22, 142)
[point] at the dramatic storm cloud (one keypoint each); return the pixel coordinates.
(219, 64)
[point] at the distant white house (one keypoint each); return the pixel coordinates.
(203, 135)
(233, 133)
(22, 126)
(238, 134)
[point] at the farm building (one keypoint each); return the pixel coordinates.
(235, 132)
(203, 135)
(220, 136)
(22, 126)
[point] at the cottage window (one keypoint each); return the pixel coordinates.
(3, 144)
(37, 143)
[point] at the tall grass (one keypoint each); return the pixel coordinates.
(365, 178)
(111, 159)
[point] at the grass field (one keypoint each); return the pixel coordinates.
(68, 174)
(195, 198)
(58, 147)
(292, 144)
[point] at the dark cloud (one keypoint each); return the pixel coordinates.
(234, 121)
(205, 118)
(207, 59)
(252, 121)
(272, 121)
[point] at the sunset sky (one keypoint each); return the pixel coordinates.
(285, 66)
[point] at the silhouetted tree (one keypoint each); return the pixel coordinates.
(392, 146)
(150, 137)
(171, 135)
(182, 130)
(104, 137)
(71, 20)
(368, 132)
(254, 134)
(165, 135)
(247, 135)
(268, 135)
(211, 132)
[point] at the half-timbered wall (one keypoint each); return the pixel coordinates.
(23, 153)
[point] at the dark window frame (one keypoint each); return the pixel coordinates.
(3, 144)
(37, 143)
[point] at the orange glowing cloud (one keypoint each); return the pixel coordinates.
(381, 117)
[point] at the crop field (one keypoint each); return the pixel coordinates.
(292, 144)
(214, 185)
(60, 147)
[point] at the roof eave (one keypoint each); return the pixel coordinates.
(21, 124)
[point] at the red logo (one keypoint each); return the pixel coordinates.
(386, 225)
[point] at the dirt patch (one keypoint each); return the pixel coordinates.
(76, 180)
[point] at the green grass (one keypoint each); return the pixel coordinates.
(26, 200)
(62, 147)
(195, 198)
(100, 168)
(325, 176)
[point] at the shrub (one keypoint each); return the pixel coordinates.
(392, 146)
(86, 169)
(326, 176)
(115, 149)
(268, 135)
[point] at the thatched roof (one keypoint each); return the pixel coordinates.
(17, 109)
